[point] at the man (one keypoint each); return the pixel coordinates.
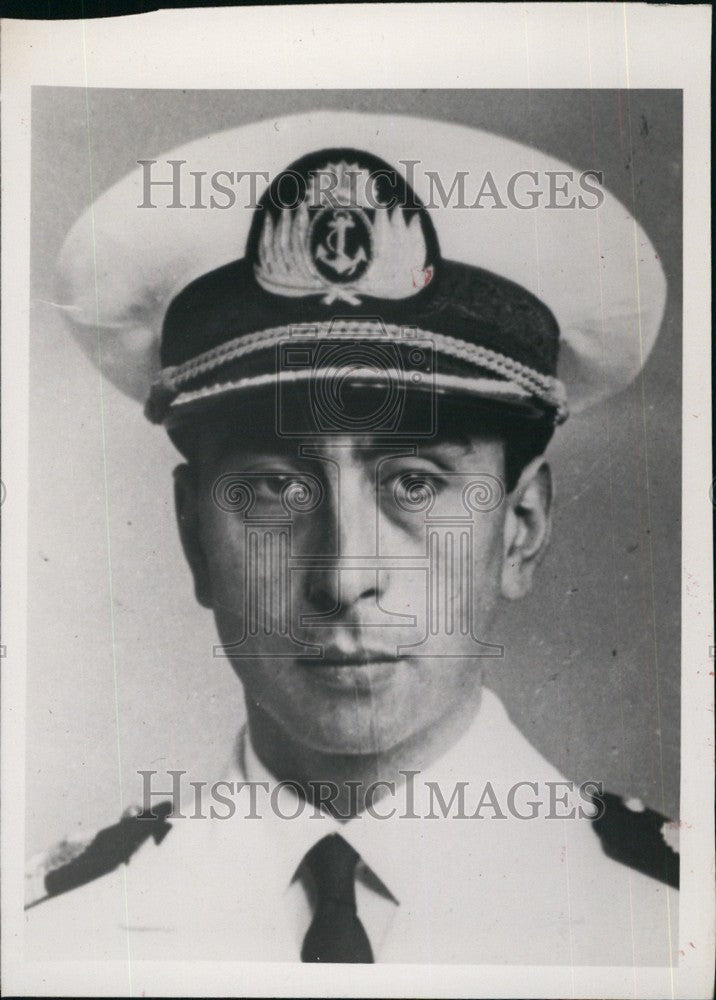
(364, 420)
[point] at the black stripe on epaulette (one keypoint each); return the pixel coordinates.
(635, 839)
(110, 848)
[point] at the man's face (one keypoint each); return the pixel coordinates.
(353, 581)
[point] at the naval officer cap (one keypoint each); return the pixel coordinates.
(442, 257)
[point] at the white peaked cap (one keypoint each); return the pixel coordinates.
(594, 268)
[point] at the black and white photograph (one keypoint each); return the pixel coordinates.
(357, 531)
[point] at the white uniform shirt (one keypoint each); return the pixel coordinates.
(484, 891)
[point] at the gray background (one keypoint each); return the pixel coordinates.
(120, 675)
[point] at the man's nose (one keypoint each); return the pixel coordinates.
(342, 553)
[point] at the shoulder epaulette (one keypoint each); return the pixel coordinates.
(639, 837)
(81, 859)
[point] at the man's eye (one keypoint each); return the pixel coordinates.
(273, 485)
(414, 490)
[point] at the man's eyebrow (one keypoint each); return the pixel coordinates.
(439, 453)
(445, 455)
(244, 460)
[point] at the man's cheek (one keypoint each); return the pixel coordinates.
(488, 550)
(226, 558)
(251, 598)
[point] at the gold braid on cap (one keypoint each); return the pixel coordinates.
(168, 389)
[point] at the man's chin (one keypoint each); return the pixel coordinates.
(349, 730)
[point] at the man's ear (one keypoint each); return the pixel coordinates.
(186, 500)
(527, 528)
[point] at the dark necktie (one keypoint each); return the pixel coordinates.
(336, 933)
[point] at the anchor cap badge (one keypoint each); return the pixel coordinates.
(341, 243)
(355, 230)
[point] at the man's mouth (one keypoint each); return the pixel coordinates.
(359, 670)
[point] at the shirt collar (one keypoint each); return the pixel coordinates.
(491, 749)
